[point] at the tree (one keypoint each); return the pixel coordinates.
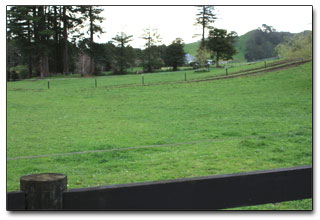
(202, 57)
(205, 18)
(71, 20)
(175, 55)
(92, 13)
(221, 44)
(297, 47)
(19, 33)
(261, 42)
(151, 59)
(123, 55)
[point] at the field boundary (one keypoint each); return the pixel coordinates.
(195, 193)
(243, 73)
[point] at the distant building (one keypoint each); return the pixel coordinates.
(189, 58)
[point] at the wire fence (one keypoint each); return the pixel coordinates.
(136, 79)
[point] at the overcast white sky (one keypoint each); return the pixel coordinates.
(178, 21)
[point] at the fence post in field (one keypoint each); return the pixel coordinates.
(96, 85)
(185, 76)
(48, 84)
(226, 71)
(44, 191)
(142, 79)
(265, 64)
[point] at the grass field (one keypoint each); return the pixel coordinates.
(226, 126)
(110, 81)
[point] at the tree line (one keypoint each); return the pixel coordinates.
(44, 37)
(49, 40)
(263, 41)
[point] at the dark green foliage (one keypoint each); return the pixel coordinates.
(92, 13)
(19, 72)
(299, 46)
(261, 43)
(21, 23)
(151, 59)
(221, 44)
(175, 54)
(40, 33)
(124, 54)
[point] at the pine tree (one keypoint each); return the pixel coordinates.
(151, 58)
(205, 18)
(20, 32)
(175, 54)
(92, 14)
(122, 57)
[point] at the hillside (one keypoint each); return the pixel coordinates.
(254, 45)
(192, 48)
(241, 46)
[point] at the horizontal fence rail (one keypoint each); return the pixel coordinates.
(199, 193)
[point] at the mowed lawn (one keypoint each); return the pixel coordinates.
(225, 126)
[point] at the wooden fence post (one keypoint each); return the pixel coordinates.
(185, 76)
(142, 79)
(44, 191)
(96, 85)
(265, 64)
(48, 84)
(226, 71)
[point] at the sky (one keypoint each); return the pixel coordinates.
(178, 21)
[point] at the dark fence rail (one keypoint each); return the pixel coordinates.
(200, 193)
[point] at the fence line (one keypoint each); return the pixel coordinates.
(126, 75)
(198, 193)
(201, 79)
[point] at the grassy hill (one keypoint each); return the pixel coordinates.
(241, 45)
(192, 48)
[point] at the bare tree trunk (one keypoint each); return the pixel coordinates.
(30, 54)
(65, 42)
(44, 66)
(217, 59)
(30, 65)
(36, 39)
(56, 42)
(91, 41)
(82, 69)
(203, 27)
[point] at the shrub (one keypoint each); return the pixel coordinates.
(19, 72)
(297, 47)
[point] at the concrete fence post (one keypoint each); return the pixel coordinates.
(44, 191)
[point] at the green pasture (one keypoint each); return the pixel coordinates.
(77, 82)
(227, 126)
